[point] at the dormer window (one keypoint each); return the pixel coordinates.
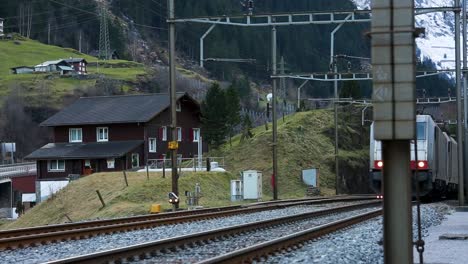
(178, 106)
(75, 135)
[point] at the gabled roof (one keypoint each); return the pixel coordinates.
(19, 67)
(73, 60)
(114, 149)
(47, 63)
(112, 110)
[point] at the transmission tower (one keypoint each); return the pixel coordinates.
(104, 42)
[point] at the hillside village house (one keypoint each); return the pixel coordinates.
(78, 64)
(22, 70)
(54, 66)
(114, 133)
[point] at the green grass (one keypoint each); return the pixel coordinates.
(305, 140)
(27, 52)
(79, 200)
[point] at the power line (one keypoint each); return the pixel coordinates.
(73, 7)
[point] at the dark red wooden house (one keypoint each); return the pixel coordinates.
(78, 64)
(114, 133)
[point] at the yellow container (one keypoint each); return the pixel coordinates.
(155, 208)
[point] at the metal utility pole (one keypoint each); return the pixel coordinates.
(104, 42)
(274, 103)
(394, 95)
(202, 45)
(335, 96)
(461, 196)
(173, 98)
(465, 93)
(299, 93)
(48, 35)
(335, 106)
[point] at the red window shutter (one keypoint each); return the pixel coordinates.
(191, 134)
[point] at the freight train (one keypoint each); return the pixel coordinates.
(437, 163)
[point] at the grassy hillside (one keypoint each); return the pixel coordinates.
(25, 52)
(79, 200)
(305, 140)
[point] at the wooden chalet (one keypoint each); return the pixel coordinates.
(114, 133)
(78, 64)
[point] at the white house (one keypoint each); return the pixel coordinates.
(54, 66)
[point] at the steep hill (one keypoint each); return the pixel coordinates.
(306, 140)
(25, 52)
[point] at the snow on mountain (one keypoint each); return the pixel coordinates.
(439, 43)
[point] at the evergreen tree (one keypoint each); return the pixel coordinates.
(242, 85)
(214, 112)
(246, 128)
(233, 117)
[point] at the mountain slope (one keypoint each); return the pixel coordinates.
(438, 44)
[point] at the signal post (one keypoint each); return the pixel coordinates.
(394, 77)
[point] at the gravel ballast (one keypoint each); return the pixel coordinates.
(105, 242)
(359, 244)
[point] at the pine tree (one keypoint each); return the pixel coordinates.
(214, 112)
(246, 128)
(233, 117)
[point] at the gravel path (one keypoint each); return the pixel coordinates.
(360, 244)
(198, 253)
(73, 248)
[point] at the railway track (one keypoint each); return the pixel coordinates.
(19, 238)
(175, 244)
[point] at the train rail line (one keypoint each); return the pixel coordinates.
(151, 249)
(19, 238)
(293, 241)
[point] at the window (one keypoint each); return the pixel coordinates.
(421, 130)
(87, 163)
(75, 135)
(110, 163)
(196, 134)
(179, 134)
(152, 145)
(164, 133)
(102, 134)
(135, 160)
(178, 107)
(56, 165)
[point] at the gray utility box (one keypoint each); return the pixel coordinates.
(236, 190)
(252, 183)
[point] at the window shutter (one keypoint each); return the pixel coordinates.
(191, 134)
(161, 133)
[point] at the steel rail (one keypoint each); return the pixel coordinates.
(150, 249)
(104, 222)
(21, 241)
(296, 240)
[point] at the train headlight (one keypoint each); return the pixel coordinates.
(422, 164)
(378, 164)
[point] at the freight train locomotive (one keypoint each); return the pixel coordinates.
(437, 162)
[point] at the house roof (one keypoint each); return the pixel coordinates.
(19, 67)
(47, 63)
(66, 68)
(73, 60)
(93, 150)
(112, 110)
